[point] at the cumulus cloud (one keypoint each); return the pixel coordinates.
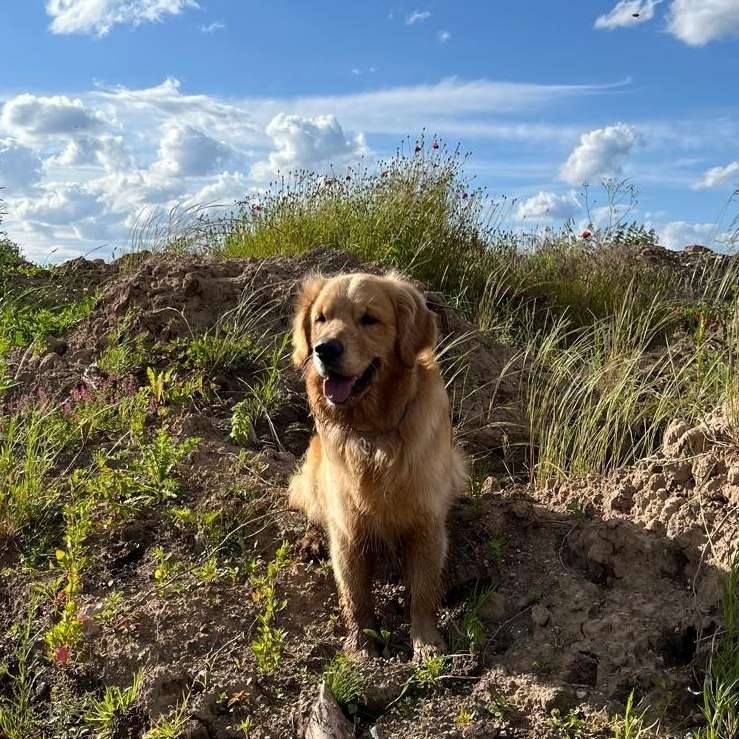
(548, 206)
(30, 118)
(628, 13)
(189, 152)
(600, 153)
(310, 143)
(20, 168)
(58, 205)
(417, 16)
(677, 234)
(97, 17)
(109, 152)
(718, 176)
(697, 22)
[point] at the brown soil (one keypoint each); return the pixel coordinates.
(602, 586)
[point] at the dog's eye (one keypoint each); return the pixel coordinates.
(320, 318)
(368, 320)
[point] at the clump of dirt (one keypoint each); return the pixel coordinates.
(559, 601)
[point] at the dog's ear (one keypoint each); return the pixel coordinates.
(417, 329)
(312, 285)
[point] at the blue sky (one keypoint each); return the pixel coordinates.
(115, 108)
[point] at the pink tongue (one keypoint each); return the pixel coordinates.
(338, 389)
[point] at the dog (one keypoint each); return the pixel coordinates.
(383, 467)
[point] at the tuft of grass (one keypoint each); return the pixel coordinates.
(18, 719)
(173, 725)
(720, 695)
(632, 724)
(105, 711)
(345, 681)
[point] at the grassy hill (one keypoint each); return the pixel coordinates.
(152, 582)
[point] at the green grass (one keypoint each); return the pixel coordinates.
(346, 683)
(720, 697)
(103, 713)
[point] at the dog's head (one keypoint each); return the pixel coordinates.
(352, 332)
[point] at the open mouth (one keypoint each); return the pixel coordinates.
(339, 389)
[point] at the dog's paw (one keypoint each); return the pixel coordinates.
(427, 642)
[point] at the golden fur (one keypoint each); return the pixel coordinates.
(383, 466)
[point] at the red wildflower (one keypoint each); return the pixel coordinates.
(418, 148)
(465, 195)
(61, 655)
(257, 208)
(348, 178)
(586, 234)
(435, 145)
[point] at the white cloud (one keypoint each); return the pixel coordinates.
(548, 206)
(109, 152)
(417, 16)
(600, 153)
(443, 36)
(58, 205)
(213, 27)
(20, 168)
(697, 22)
(97, 17)
(628, 13)
(30, 118)
(308, 143)
(677, 234)
(717, 176)
(187, 151)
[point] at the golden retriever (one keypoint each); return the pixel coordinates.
(383, 466)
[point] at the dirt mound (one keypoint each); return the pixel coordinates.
(164, 299)
(559, 601)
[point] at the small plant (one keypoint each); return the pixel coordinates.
(18, 718)
(382, 637)
(103, 712)
(345, 682)
(428, 672)
(111, 607)
(269, 642)
(464, 716)
(165, 572)
(158, 462)
(261, 399)
(472, 634)
(631, 724)
(569, 726)
(498, 706)
(172, 726)
(64, 635)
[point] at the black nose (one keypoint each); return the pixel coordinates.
(329, 351)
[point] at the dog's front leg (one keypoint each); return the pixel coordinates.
(353, 565)
(425, 551)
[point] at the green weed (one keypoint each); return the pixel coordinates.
(345, 681)
(105, 711)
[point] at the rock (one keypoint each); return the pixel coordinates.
(674, 431)
(490, 485)
(694, 441)
(540, 615)
(326, 720)
(621, 498)
(678, 472)
(697, 249)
